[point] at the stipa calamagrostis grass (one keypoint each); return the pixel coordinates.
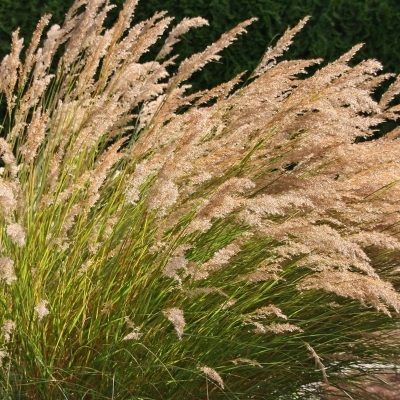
(223, 244)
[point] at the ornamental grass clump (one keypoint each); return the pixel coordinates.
(237, 242)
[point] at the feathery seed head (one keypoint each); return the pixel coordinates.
(175, 316)
(212, 374)
(42, 309)
(7, 272)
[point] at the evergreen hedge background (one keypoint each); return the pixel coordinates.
(336, 25)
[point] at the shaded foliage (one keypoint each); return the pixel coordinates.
(336, 26)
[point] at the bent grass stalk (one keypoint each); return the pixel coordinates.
(236, 242)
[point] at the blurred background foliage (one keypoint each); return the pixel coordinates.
(336, 26)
